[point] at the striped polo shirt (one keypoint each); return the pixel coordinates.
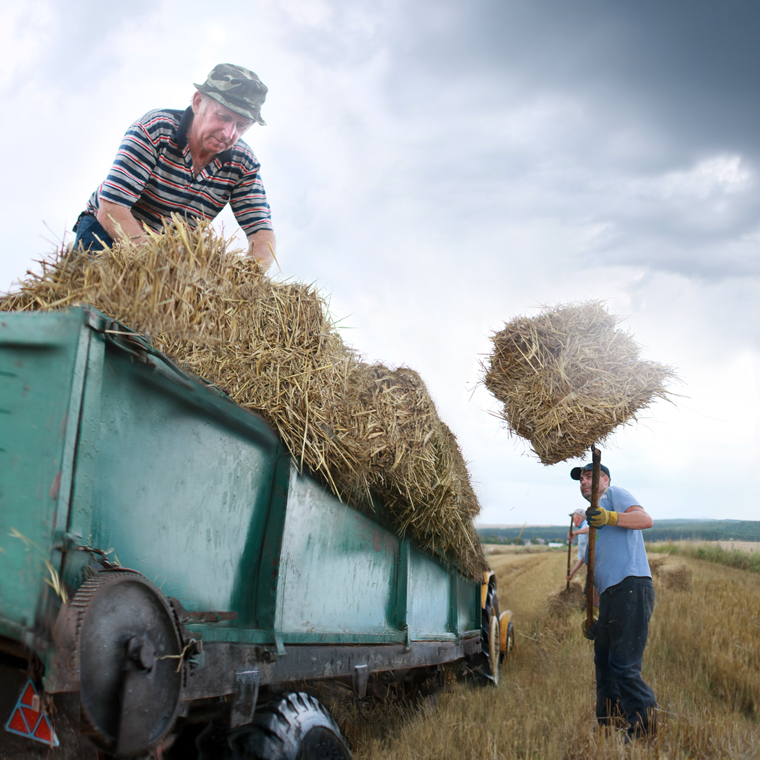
(153, 176)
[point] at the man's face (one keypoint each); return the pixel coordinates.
(216, 128)
(586, 477)
(577, 520)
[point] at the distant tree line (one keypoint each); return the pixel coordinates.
(663, 530)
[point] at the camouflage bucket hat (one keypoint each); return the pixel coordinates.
(237, 88)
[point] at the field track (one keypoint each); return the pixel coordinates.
(703, 661)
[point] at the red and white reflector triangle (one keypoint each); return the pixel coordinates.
(27, 719)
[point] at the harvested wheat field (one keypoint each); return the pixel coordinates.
(703, 661)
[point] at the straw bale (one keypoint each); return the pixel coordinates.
(430, 495)
(677, 577)
(568, 377)
(655, 564)
(369, 432)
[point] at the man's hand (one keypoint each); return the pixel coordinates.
(119, 223)
(599, 517)
(590, 634)
(261, 246)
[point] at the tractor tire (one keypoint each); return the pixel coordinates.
(295, 727)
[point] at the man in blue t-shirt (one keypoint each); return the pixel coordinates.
(624, 594)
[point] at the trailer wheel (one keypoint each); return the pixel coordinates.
(296, 727)
(129, 651)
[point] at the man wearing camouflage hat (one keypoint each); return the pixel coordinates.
(190, 162)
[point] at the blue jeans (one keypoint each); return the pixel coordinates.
(88, 230)
(620, 638)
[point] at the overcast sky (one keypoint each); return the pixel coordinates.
(438, 168)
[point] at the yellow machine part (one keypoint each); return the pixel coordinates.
(504, 620)
(487, 575)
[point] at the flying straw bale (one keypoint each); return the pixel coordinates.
(568, 377)
(366, 430)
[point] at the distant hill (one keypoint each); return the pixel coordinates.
(663, 530)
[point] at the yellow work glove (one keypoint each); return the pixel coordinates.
(590, 634)
(599, 517)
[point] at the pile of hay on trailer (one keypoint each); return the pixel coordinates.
(366, 430)
(568, 377)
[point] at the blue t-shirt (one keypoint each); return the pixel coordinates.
(619, 552)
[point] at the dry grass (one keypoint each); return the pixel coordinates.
(367, 430)
(568, 377)
(703, 661)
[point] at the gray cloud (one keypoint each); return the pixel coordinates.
(686, 66)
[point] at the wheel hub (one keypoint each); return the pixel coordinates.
(129, 648)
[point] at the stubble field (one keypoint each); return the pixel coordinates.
(703, 661)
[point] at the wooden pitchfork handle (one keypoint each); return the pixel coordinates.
(596, 458)
(569, 545)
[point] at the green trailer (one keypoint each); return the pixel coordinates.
(168, 574)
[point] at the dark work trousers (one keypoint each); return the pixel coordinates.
(91, 234)
(620, 637)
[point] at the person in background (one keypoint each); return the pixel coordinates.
(625, 597)
(579, 521)
(192, 163)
